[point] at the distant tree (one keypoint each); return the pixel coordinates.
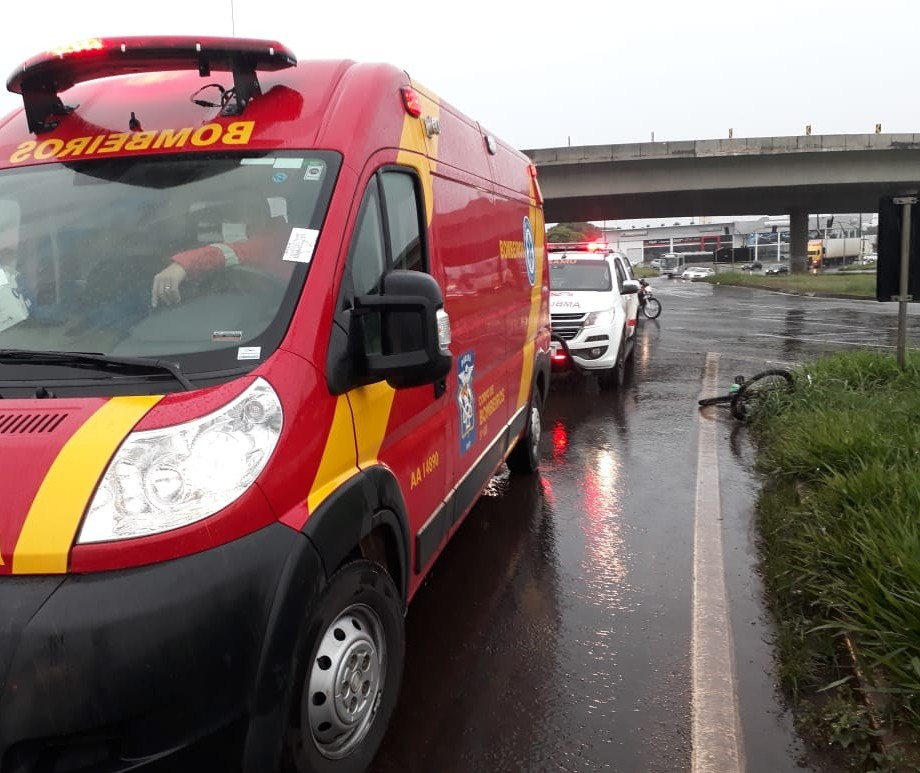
(561, 233)
(573, 232)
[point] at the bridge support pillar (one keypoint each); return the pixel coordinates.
(798, 241)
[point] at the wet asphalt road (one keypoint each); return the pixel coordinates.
(554, 631)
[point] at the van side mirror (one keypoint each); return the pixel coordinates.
(630, 286)
(402, 335)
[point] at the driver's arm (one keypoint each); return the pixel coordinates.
(191, 262)
(261, 251)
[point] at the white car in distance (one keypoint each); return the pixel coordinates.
(694, 273)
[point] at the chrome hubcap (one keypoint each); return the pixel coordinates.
(535, 429)
(346, 681)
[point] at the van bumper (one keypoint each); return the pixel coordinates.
(157, 667)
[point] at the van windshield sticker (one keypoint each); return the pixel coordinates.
(227, 335)
(300, 245)
(288, 163)
(249, 352)
(315, 170)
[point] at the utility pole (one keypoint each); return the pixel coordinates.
(859, 236)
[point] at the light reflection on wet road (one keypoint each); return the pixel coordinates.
(554, 631)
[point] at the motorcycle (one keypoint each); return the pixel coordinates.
(649, 305)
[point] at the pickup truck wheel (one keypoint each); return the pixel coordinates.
(347, 686)
(525, 456)
(614, 378)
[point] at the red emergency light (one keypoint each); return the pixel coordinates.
(42, 78)
(602, 247)
(411, 101)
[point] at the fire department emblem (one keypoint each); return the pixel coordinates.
(530, 252)
(466, 401)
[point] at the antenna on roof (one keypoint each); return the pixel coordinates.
(232, 20)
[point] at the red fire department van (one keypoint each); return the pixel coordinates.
(267, 329)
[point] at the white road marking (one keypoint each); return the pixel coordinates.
(783, 320)
(837, 341)
(716, 724)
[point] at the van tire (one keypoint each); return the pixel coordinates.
(356, 619)
(524, 458)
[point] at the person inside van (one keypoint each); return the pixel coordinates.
(253, 240)
(16, 293)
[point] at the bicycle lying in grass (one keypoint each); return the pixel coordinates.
(744, 393)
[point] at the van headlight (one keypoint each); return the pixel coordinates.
(165, 478)
(600, 318)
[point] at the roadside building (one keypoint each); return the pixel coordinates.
(763, 239)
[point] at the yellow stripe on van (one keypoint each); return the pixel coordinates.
(371, 406)
(337, 463)
(361, 416)
(48, 533)
(538, 227)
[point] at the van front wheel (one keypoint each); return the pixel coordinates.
(525, 456)
(346, 689)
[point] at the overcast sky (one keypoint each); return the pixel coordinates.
(590, 72)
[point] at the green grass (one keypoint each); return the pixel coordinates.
(840, 524)
(858, 267)
(850, 284)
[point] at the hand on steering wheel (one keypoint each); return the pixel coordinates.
(166, 286)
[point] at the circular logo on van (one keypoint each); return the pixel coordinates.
(530, 252)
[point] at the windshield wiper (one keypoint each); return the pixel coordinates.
(94, 360)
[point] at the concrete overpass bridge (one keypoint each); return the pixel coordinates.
(794, 176)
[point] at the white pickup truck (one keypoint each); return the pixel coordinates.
(594, 306)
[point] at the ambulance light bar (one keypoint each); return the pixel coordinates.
(42, 78)
(601, 247)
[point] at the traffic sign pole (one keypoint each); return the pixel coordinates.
(907, 203)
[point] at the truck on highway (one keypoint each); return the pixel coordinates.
(835, 251)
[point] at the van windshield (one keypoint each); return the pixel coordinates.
(574, 274)
(198, 258)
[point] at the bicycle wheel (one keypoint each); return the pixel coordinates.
(715, 400)
(758, 387)
(652, 308)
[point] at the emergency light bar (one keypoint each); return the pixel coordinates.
(601, 247)
(42, 78)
